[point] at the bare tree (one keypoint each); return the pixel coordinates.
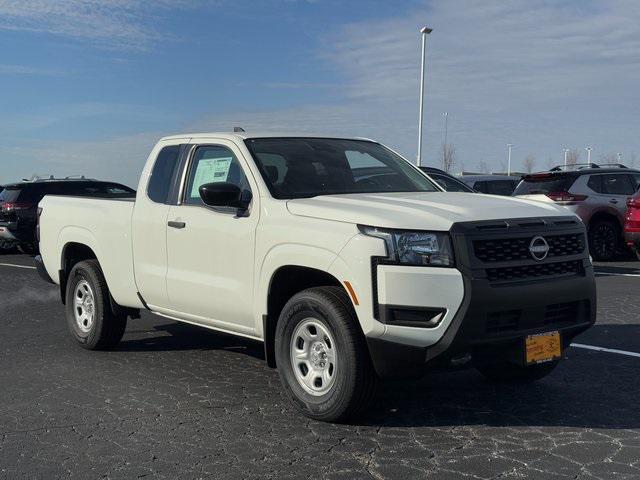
(573, 156)
(448, 157)
(529, 163)
(609, 158)
(483, 167)
(551, 163)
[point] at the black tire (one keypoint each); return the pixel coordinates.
(355, 380)
(106, 328)
(604, 239)
(506, 372)
(7, 246)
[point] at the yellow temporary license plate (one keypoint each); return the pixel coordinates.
(543, 347)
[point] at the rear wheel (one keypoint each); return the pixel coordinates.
(90, 319)
(7, 246)
(322, 358)
(511, 373)
(604, 239)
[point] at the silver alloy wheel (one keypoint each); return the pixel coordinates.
(84, 306)
(313, 356)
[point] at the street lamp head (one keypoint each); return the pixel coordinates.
(426, 30)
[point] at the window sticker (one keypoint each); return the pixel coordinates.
(210, 170)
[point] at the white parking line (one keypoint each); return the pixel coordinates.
(602, 274)
(17, 266)
(608, 350)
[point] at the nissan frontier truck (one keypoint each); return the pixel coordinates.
(343, 258)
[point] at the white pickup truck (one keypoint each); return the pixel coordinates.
(347, 261)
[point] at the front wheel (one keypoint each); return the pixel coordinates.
(322, 357)
(90, 318)
(507, 372)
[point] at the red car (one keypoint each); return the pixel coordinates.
(632, 224)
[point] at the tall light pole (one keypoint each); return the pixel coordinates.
(509, 145)
(444, 146)
(423, 63)
(566, 151)
(588, 149)
(446, 124)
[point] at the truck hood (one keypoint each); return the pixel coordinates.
(419, 210)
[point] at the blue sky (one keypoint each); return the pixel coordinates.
(89, 85)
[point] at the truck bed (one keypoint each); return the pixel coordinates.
(102, 224)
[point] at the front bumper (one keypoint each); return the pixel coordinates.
(492, 318)
(495, 321)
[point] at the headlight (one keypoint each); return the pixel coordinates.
(414, 248)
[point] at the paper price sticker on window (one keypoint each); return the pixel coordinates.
(210, 170)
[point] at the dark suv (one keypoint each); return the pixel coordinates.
(596, 193)
(19, 205)
(446, 181)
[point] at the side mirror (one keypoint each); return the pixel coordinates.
(224, 194)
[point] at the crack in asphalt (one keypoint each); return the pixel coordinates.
(177, 402)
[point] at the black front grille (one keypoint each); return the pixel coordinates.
(556, 315)
(510, 249)
(534, 271)
(561, 313)
(498, 322)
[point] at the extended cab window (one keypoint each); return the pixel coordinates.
(213, 164)
(162, 174)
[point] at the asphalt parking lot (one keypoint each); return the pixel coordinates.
(179, 402)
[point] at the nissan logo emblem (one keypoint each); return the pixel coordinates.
(539, 248)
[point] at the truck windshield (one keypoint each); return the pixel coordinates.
(308, 167)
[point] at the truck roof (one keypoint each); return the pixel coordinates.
(247, 135)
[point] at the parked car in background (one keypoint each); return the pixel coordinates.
(446, 181)
(5, 245)
(596, 193)
(491, 184)
(632, 224)
(19, 205)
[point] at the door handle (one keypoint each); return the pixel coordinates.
(613, 200)
(178, 225)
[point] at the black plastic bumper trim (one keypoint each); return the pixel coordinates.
(44, 275)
